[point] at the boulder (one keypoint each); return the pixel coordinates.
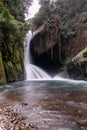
(77, 67)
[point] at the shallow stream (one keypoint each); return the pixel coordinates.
(49, 104)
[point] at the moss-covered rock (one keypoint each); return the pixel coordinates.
(13, 62)
(77, 67)
(2, 71)
(12, 32)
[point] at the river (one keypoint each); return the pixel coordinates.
(49, 104)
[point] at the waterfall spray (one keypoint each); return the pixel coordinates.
(32, 71)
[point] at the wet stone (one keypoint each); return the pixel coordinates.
(31, 125)
(17, 128)
(82, 122)
(23, 118)
(12, 120)
(24, 104)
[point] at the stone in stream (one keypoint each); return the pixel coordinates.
(17, 128)
(82, 122)
(24, 104)
(1, 128)
(31, 125)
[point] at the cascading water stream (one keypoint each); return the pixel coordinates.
(32, 71)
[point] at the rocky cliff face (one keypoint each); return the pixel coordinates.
(75, 48)
(13, 62)
(77, 42)
(47, 37)
(2, 71)
(11, 55)
(50, 43)
(46, 44)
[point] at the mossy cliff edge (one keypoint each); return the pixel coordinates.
(12, 33)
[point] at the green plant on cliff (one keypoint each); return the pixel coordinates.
(17, 8)
(43, 14)
(66, 9)
(12, 32)
(8, 25)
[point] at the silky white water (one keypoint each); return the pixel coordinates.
(32, 71)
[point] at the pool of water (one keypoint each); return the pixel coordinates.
(49, 104)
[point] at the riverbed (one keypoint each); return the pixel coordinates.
(44, 105)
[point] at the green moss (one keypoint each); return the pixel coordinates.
(67, 61)
(10, 48)
(16, 57)
(10, 65)
(2, 73)
(80, 55)
(19, 67)
(12, 32)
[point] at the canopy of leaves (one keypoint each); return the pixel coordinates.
(66, 9)
(17, 7)
(43, 13)
(11, 17)
(8, 26)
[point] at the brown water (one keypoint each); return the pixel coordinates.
(49, 105)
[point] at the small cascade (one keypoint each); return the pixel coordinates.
(32, 71)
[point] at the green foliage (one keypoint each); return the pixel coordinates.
(43, 14)
(66, 9)
(5, 16)
(80, 56)
(19, 67)
(12, 33)
(83, 17)
(17, 8)
(2, 73)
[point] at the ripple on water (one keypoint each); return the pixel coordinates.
(48, 106)
(64, 128)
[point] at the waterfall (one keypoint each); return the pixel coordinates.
(32, 71)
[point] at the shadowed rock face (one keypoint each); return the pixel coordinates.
(47, 37)
(46, 44)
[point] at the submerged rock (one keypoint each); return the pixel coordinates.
(82, 122)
